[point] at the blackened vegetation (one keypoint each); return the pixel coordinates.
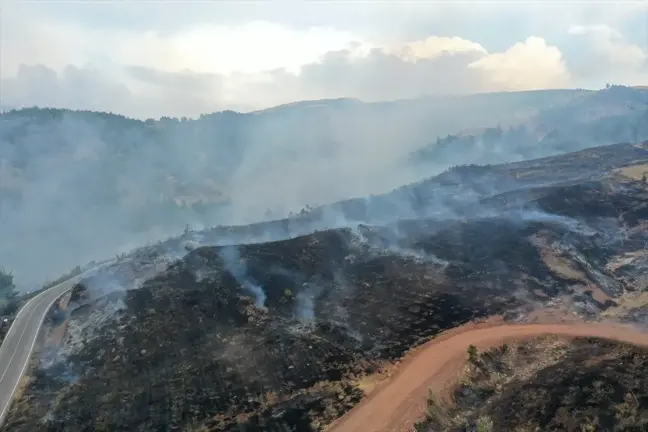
(195, 350)
(599, 385)
(190, 348)
(546, 384)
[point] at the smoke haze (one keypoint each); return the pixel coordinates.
(77, 186)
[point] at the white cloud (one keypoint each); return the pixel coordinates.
(433, 47)
(432, 66)
(250, 48)
(221, 60)
(531, 64)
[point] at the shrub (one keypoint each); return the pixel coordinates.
(484, 424)
(473, 354)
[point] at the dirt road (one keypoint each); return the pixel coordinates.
(400, 401)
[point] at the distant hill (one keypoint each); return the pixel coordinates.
(616, 114)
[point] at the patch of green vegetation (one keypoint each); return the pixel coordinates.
(8, 294)
(473, 354)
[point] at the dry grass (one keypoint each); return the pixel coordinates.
(556, 261)
(624, 259)
(562, 267)
(523, 359)
(634, 172)
(369, 383)
(20, 389)
(625, 304)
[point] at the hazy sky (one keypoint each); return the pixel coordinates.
(147, 59)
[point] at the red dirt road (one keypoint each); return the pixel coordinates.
(397, 404)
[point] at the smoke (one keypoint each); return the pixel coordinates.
(80, 186)
(238, 268)
(305, 308)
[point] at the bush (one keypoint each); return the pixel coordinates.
(484, 424)
(473, 354)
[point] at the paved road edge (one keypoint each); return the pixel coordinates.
(36, 298)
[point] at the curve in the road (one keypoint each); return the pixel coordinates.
(19, 342)
(400, 402)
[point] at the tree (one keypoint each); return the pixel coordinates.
(8, 302)
(6, 283)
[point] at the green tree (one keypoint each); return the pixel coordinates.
(8, 303)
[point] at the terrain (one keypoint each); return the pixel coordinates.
(549, 383)
(66, 175)
(438, 371)
(284, 325)
(618, 114)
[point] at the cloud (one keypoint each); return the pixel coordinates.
(217, 56)
(605, 53)
(531, 64)
(612, 46)
(133, 90)
(430, 66)
(251, 47)
(73, 86)
(434, 47)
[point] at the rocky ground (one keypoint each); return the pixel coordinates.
(548, 384)
(277, 336)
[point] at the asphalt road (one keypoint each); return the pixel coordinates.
(21, 338)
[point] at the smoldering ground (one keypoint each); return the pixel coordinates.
(373, 227)
(333, 297)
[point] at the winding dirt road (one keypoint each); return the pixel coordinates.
(400, 401)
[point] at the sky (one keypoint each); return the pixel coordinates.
(150, 59)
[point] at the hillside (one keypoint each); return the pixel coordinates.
(548, 384)
(616, 114)
(285, 333)
(66, 176)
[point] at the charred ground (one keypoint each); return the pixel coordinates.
(276, 336)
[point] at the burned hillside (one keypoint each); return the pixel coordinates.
(549, 384)
(275, 335)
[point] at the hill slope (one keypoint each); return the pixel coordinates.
(549, 384)
(617, 114)
(281, 334)
(69, 176)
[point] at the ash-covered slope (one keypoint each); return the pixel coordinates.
(278, 335)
